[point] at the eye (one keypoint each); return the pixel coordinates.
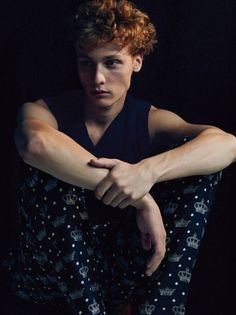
(85, 63)
(112, 63)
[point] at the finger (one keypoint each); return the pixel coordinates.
(125, 203)
(103, 187)
(117, 200)
(146, 241)
(103, 163)
(111, 194)
(156, 259)
(153, 265)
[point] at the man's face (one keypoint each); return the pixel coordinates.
(105, 73)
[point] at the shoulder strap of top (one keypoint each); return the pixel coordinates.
(67, 108)
(139, 113)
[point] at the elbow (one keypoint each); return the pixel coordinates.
(233, 139)
(33, 148)
(229, 140)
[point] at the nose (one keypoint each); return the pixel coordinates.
(99, 75)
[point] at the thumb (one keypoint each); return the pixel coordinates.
(103, 163)
(146, 241)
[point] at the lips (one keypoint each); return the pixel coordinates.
(99, 93)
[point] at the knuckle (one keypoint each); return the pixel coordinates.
(113, 204)
(98, 194)
(129, 193)
(119, 186)
(106, 201)
(122, 206)
(113, 176)
(161, 253)
(132, 196)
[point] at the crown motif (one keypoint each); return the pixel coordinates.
(84, 215)
(94, 308)
(22, 294)
(200, 207)
(84, 271)
(95, 287)
(69, 257)
(147, 309)
(184, 275)
(174, 258)
(77, 294)
(70, 198)
(90, 251)
(43, 210)
(73, 255)
(171, 207)
(167, 291)
(52, 183)
(41, 258)
(179, 310)
(190, 189)
(41, 234)
(193, 241)
(58, 266)
(218, 178)
(182, 223)
(59, 221)
(63, 287)
(210, 177)
(32, 181)
(77, 235)
(82, 198)
(22, 212)
(43, 279)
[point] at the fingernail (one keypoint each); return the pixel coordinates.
(148, 273)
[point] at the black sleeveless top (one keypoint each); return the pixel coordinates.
(64, 229)
(126, 138)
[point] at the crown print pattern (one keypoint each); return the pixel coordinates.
(63, 257)
(167, 290)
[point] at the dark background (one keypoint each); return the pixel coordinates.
(191, 72)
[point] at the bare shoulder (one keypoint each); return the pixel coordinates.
(162, 121)
(37, 110)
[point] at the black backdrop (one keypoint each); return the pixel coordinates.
(191, 72)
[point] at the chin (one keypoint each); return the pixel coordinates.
(103, 102)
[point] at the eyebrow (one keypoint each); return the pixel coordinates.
(105, 58)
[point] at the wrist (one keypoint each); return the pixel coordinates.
(144, 203)
(148, 171)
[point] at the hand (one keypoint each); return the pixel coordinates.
(124, 184)
(152, 231)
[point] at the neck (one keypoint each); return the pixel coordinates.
(103, 115)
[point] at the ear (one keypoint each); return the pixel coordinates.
(138, 61)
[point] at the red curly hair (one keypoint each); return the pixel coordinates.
(116, 21)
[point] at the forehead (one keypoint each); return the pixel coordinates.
(104, 50)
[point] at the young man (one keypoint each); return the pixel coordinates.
(74, 249)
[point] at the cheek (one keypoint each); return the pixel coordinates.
(84, 77)
(121, 79)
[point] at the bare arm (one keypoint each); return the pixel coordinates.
(211, 150)
(42, 145)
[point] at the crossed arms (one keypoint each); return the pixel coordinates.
(116, 183)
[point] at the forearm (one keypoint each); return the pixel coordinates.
(58, 155)
(209, 152)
